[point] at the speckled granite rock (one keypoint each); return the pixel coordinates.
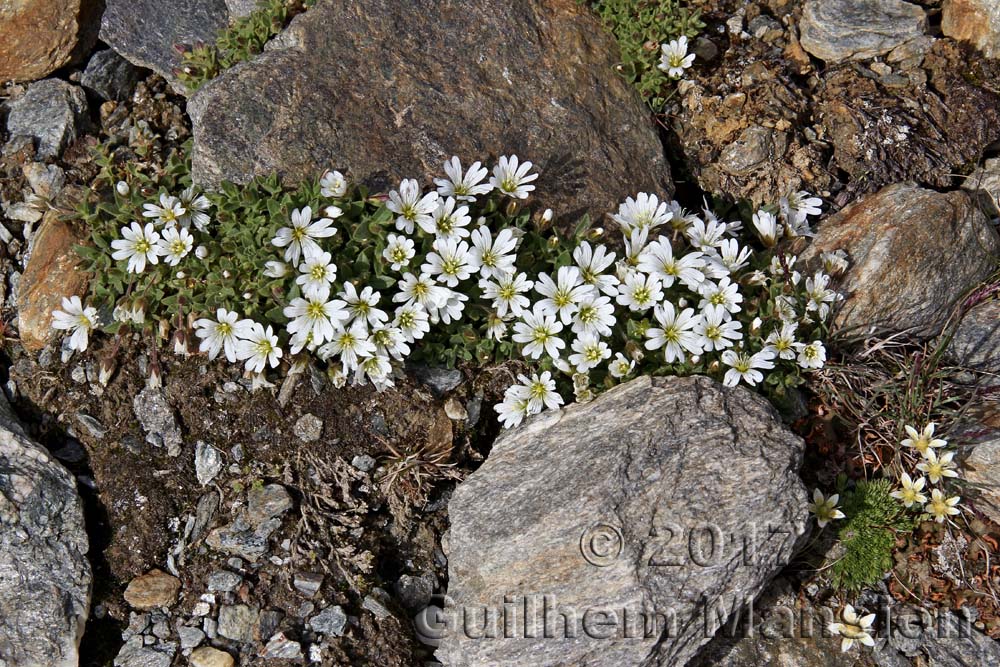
(475, 79)
(670, 496)
(836, 30)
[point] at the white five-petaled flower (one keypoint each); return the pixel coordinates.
(590, 351)
(422, 289)
(922, 440)
(812, 355)
(507, 293)
(767, 227)
(854, 628)
(448, 221)
(174, 245)
(646, 211)
(593, 262)
(714, 331)
(362, 305)
(910, 491)
(399, 250)
(620, 366)
(675, 334)
(168, 213)
(657, 259)
(222, 333)
(706, 236)
(316, 316)
(731, 256)
(724, 294)
(411, 206)
(674, 58)
(464, 187)
(512, 178)
(411, 319)
(562, 295)
(746, 367)
(316, 273)
(798, 206)
(352, 345)
(515, 406)
(539, 331)
(937, 468)
(259, 348)
(782, 341)
(390, 341)
(299, 239)
(540, 391)
(594, 314)
(137, 245)
(495, 257)
(639, 292)
(820, 297)
(333, 184)
(825, 509)
(195, 205)
(941, 507)
(450, 260)
(76, 318)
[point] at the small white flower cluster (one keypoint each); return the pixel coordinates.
(676, 288)
(938, 469)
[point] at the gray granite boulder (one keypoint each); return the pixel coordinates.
(344, 87)
(836, 30)
(51, 112)
(110, 76)
(975, 342)
(45, 578)
(624, 531)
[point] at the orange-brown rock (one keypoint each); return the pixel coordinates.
(38, 37)
(152, 590)
(53, 272)
(974, 21)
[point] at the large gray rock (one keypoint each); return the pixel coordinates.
(975, 21)
(675, 498)
(836, 30)
(44, 573)
(975, 343)
(148, 32)
(345, 87)
(110, 76)
(51, 113)
(913, 253)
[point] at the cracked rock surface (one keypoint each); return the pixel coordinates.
(674, 496)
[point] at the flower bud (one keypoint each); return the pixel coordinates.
(275, 269)
(122, 188)
(201, 252)
(226, 274)
(181, 275)
(547, 215)
(181, 342)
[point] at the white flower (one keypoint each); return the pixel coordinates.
(941, 507)
(450, 260)
(937, 468)
(195, 204)
(300, 238)
(514, 407)
(732, 257)
(782, 342)
(853, 629)
(639, 291)
(621, 366)
(539, 331)
(825, 509)
(362, 305)
(798, 206)
(451, 309)
(447, 222)
(540, 391)
(635, 243)
(464, 187)
(724, 294)
(834, 263)
(390, 342)
(175, 244)
(275, 269)
(167, 213)
(674, 58)
(593, 262)
(562, 295)
(494, 257)
(595, 314)
(333, 184)
(646, 211)
(820, 297)
(590, 352)
(351, 344)
(138, 246)
(376, 368)
(410, 207)
(411, 318)
(767, 227)
(675, 334)
(496, 328)
(658, 259)
(316, 316)
(423, 290)
(316, 275)
(784, 306)
(399, 250)
(511, 178)
(910, 493)
(706, 236)
(745, 366)
(259, 347)
(812, 355)
(333, 212)
(922, 440)
(76, 318)
(714, 332)
(222, 333)
(506, 293)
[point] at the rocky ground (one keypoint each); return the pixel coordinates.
(212, 524)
